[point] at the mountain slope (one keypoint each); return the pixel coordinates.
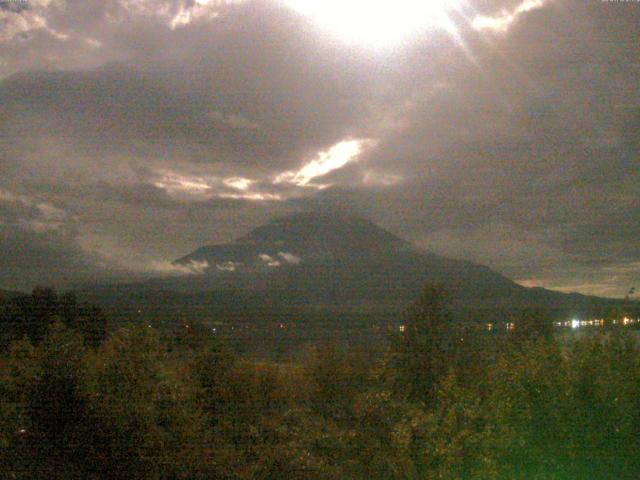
(341, 259)
(313, 278)
(312, 236)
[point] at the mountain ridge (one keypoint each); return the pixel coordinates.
(317, 278)
(342, 257)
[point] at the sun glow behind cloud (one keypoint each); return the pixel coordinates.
(239, 183)
(201, 188)
(336, 157)
(182, 185)
(377, 23)
(193, 188)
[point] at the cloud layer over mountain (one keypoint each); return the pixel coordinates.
(133, 131)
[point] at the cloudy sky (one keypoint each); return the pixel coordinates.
(505, 132)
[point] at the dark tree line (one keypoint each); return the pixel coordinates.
(446, 401)
(32, 315)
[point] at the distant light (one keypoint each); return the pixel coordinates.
(575, 323)
(402, 328)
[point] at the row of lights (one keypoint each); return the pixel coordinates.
(510, 326)
(596, 323)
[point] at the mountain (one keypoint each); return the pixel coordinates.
(333, 259)
(314, 236)
(312, 277)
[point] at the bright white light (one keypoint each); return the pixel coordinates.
(575, 323)
(503, 21)
(336, 157)
(238, 183)
(376, 22)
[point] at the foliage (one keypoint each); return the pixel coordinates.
(31, 316)
(420, 355)
(446, 403)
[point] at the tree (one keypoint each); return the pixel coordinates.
(335, 379)
(50, 426)
(532, 324)
(31, 316)
(211, 371)
(422, 353)
(148, 424)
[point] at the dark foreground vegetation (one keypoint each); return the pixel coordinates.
(444, 401)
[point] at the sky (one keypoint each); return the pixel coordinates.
(503, 132)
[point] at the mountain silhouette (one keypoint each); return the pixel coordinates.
(340, 258)
(313, 277)
(302, 238)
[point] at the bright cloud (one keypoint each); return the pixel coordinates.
(183, 185)
(187, 15)
(336, 157)
(226, 266)
(109, 252)
(238, 183)
(503, 21)
(289, 258)
(269, 260)
(198, 188)
(192, 268)
(16, 22)
(255, 196)
(46, 216)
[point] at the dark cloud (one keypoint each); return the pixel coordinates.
(159, 126)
